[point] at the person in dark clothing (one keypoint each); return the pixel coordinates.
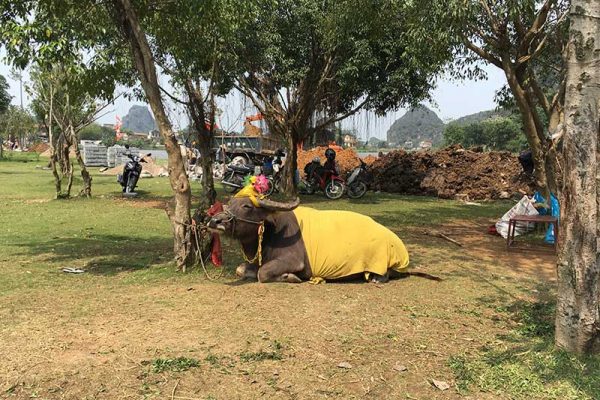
(330, 164)
(526, 161)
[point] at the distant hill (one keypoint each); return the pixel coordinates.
(416, 125)
(480, 116)
(139, 119)
(421, 123)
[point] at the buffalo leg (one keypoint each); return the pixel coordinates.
(247, 271)
(277, 271)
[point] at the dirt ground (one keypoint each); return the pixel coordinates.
(132, 327)
(269, 341)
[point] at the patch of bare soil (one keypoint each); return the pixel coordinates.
(279, 341)
(525, 258)
(142, 203)
(251, 341)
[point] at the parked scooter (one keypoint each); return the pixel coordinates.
(319, 178)
(358, 181)
(235, 175)
(131, 173)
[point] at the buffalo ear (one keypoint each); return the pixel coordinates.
(279, 206)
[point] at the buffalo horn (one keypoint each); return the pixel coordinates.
(279, 206)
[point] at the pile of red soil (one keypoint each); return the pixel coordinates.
(347, 159)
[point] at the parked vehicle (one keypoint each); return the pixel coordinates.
(358, 181)
(235, 175)
(131, 173)
(320, 178)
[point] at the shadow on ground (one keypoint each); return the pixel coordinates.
(101, 254)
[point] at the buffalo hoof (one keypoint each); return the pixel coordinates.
(290, 278)
(245, 271)
(379, 278)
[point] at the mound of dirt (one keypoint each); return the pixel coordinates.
(46, 153)
(39, 148)
(451, 172)
(369, 160)
(347, 159)
(149, 166)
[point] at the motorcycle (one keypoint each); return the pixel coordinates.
(358, 181)
(235, 175)
(318, 178)
(131, 173)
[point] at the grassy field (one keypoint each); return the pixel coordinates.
(132, 327)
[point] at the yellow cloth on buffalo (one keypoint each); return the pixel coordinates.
(343, 243)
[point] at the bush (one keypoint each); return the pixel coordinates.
(500, 133)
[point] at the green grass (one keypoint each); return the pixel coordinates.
(108, 237)
(276, 353)
(524, 364)
(178, 364)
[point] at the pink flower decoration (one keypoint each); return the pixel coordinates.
(262, 184)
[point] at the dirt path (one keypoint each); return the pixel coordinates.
(526, 258)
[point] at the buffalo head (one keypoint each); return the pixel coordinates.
(241, 216)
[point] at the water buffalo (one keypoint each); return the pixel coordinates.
(282, 242)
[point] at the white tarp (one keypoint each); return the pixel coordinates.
(523, 207)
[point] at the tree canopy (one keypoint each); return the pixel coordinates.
(498, 133)
(5, 97)
(307, 64)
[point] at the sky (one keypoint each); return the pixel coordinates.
(451, 100)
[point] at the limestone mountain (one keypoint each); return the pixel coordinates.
(418, 124)
(139, 119)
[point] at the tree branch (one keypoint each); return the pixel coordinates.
(335, 119)
(535, 28)
(482, 53)
(169, 95)
(537, 90)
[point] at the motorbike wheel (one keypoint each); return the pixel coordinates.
(306, 187)
(230, 189)
(270, 187)
(218, 171)
(130, 184)
(334, 190)
(357, 190)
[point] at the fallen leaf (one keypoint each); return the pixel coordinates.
(321, 377)
(440, 384)
(345, 365)
(400, 368)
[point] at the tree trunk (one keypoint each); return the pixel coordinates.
(180, 217)
(291, 165)
(209, 193)
(204, 137)
(85, 175)
(53, 143)
(531, 132)
(69, 179)
(578, 304)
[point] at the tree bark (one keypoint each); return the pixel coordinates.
(531, 130)
(578, 304)
(53, 142)
(69, 179)
(143, 59)
(204, 137)
(85, 175)
(291, 166)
